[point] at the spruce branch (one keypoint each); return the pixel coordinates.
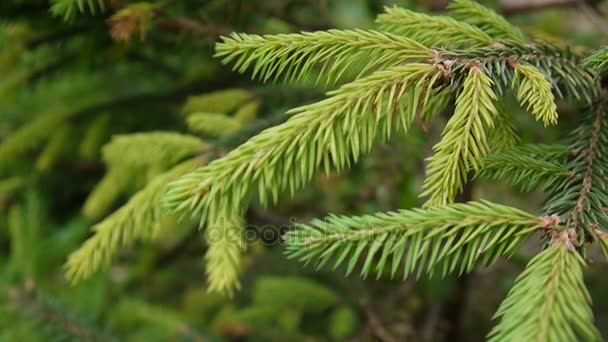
(212, 124)
(569, 80)
(141, 151)
(437, 240)
(326, 134)
(549, 301)
(485, 19)
(534, 92)
(221, 101)
(432, 31)
(529, 167)
(293, 56)
(136, 158)
(582, 201)
(598, 61)
(105, 193)
(223, 258)
(464, 141)
(139, 219)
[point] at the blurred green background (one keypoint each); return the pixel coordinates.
(72, 79)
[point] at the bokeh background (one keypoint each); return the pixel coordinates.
(72, 79)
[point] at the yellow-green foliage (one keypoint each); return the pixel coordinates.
(464, 141)
(415, 241)
(140, 218)
(549, 301)
(137, 158)
(212, 124)
(488, 21)
(222, 101)
(105, 194)
(248, 112)
(429, 30)
(141, 151)
(534, 92)
(326, 134)
(223, 259)
(293, 56)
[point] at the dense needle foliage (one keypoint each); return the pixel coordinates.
(166, 145)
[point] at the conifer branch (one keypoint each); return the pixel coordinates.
(582, 201)
(464, 141)
(136, 158)
(528, 170)
(432, 31)
(569, 80)
(105, 193)
(437, 240)
(326, 134)
(549, 301)
(534, 92)
(293, 56)
(598, 61)
(139, 219)
(212, 124)
(485, 19)
(143, 151)
(221, 101)
(223, 258)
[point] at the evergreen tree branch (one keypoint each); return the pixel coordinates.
(534, 92)
(221, 101)
(568, 79)
(139, 219)
(529, 171)
(432, 31)
(212, 124)
(464, 141)
(440, 239)
(326, 134)
(293, 56)
(549, 301)
(598, 61)
(485, 19)
(582, 201)
(142, 151)
(223, 257)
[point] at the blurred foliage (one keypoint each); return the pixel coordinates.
(77, 76)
